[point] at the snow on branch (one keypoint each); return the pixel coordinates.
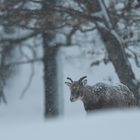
(105, 13)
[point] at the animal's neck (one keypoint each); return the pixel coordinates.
(88, 99)
(86, 93)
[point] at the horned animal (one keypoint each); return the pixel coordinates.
(101, 95)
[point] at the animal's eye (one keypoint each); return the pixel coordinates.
(76, 88)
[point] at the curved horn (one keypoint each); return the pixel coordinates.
(80, 80)
(70, 79)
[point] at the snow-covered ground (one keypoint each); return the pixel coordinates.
(116, 125)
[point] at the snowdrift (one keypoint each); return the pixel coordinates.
(109, 125)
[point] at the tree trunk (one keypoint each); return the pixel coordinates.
(50, 67)
(50, 78)
(119, 60)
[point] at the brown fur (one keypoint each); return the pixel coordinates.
(101, 95)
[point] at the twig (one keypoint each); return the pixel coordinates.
(25, 62)
(2, 97)
(87, 30)
(23, 53)
(29, 82)
(135, 57)
(18, 40)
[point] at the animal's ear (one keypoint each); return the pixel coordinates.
(68, 84)
(84, 82)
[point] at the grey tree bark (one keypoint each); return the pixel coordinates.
(50, 69)
(50, 78)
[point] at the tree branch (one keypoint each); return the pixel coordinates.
(18, 40)
(24, 62)
(29, 82)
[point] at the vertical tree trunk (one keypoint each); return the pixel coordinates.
(119, 60)
(50, 68)
(50, 78)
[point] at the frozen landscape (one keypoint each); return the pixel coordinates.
(122, 125)
(23, 119)
(32, 104)
(42, 42)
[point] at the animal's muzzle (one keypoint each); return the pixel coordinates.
(72, 99)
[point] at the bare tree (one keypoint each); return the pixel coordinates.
(116, 52)
(37, 22)
(107, 18)
(47, 18)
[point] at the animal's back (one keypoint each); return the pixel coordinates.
(108, 96)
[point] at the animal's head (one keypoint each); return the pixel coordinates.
(76, 88)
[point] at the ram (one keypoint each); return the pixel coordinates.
(100, 95)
